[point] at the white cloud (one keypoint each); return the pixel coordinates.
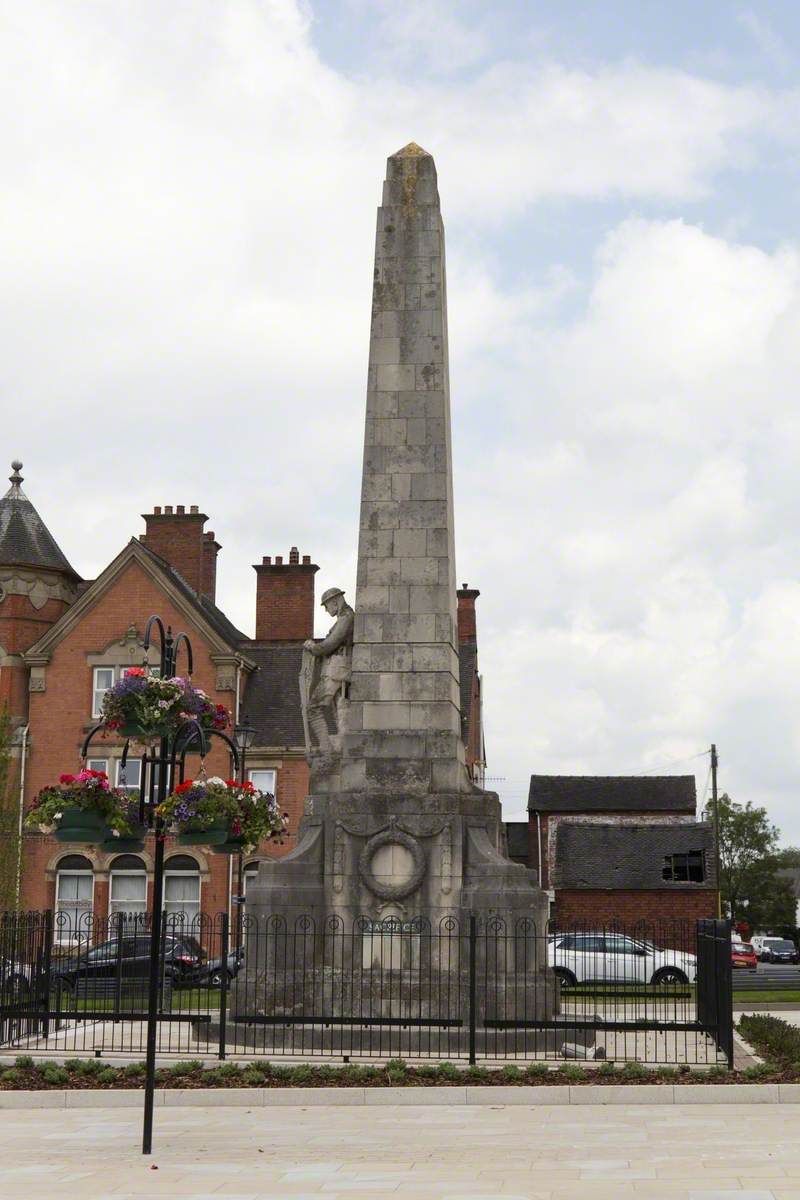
(186, 234)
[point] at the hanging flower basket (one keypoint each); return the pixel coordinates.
(145, 708)
(223, 814)
(232, 845)
(81, 808)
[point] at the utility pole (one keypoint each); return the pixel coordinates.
(715, 799)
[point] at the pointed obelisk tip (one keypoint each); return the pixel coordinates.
(412, 150)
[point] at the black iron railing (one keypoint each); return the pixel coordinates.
(480, 991)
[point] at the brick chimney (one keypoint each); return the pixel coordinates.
(285, 598)
(177, 536)
(467, 627)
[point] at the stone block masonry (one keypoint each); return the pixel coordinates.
(405, 656)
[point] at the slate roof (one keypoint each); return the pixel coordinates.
(215, 616)
(626, 856)
(518, 834)
(612, 793)
(271, 698)
(467, 663)
(25, 540)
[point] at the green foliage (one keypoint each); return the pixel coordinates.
(134, 1071)
(56, 1076)
(776, 1040)
(572, 1072)
(633, 1070)
(109, 1075)
(536, 1070)
(24, 1062)
(606, 1068)
(749, 861)
(190, 1067)
(448, 1070)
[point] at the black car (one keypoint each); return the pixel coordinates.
(183, 956)
(778, 950)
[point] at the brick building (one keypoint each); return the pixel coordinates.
(64, 641)
(618, 848)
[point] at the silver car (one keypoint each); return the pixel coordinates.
(616, 958)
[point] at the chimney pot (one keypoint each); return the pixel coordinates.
(192, 508)
(168, 509)
(181, 509)
(285, 599)
(156, 510)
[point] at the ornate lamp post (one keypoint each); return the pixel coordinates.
(159, 767)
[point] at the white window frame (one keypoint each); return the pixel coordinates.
(97, 705)
(182, 873)
(66, 935)
(264, 771)
(132, 763)
(119, 874)
(97, 764)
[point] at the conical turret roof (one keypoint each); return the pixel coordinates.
(25, 540)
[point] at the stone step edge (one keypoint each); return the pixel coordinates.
(501, 1096)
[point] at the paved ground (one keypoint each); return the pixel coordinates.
(721, 1152)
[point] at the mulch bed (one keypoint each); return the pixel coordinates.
(29, 1075)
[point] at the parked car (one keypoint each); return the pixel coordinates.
(616, 958)
(184, 960)
(15, 978)
(212, 972)
(743, 955)
(775, 949)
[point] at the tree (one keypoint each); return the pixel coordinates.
(749, 857)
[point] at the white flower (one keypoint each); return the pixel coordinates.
(215, 779)
(57, 816)
(115, 833)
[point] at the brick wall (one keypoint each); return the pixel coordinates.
(61, 715)
(285, 598)
(595, 909)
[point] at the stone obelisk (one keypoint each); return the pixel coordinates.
(393, 826)
(395, 836)
(402, 725)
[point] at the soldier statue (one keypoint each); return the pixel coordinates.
(325, 676)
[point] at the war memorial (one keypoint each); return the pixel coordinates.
(395, 836)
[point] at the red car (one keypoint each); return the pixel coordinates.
(743, 955)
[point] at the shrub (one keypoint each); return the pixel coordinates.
(187, 1068)
(572, 1072)
(24, 1062)
(55, 1075)
(777, 1040)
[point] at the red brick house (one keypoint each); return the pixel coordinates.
(64, 641)
(618, 848)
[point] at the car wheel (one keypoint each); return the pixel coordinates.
(668, 975)
(565, 977)
(216, 978)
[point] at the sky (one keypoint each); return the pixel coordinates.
(186, 238)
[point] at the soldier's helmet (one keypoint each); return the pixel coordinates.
(331, 594)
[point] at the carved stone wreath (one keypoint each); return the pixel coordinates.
(392, 891)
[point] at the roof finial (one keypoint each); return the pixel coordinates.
(16, 478)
